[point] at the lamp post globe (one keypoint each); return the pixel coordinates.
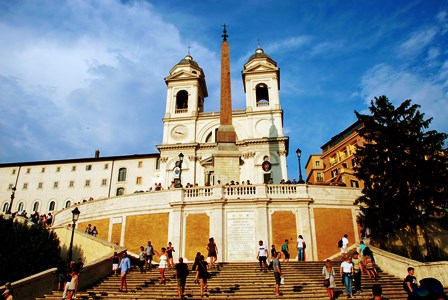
(181, 158)
(299, 155)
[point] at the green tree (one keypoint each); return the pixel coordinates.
(404, 167)
(26, 249)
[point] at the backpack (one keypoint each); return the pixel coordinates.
(283, 247)
(405, 286)
(369, 262)
(340, 243)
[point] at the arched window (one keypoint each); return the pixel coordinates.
(182, 101)
(52, 205)
(36, 206)
(200, 104)
(5, 207)
(208, 139)
(120, 191)
(68, 204)
(122, 174)
(262, 94)
(21, 206)
(158, 163)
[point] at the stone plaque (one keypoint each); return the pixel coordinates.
(117, 220)
(241, 243)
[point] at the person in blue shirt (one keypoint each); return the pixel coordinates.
(125, 268)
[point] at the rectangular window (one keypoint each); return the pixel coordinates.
(13, 171)
(71, 184)
(317, 163)
(56, 184)
(333, 160)
(334, 173)
(40, 185)
(87, 184)
(58, 169)
(354, 164)
(25, 186)
(354, 183)
(28, 171)
(73, 168)
(88, 167)
(140, 164)
(344, 165)
(319, 177)
(43, 170)
(11, 185)
(139, 180)
(104, 182)
(106, 166)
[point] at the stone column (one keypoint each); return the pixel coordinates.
(175, 231)
(217, 230)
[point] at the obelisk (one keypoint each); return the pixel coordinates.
(226, 159)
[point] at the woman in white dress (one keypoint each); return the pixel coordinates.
(329, 274)
(163, 263)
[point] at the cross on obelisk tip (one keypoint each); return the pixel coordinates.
(225, 36)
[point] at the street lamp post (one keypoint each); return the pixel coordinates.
(13, 195)
(178, 172)
(75, 217)
(299, 154)
(181, 159)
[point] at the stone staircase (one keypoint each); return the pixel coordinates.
(303, 280)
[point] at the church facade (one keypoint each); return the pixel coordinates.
(191, 131)
(121, 195)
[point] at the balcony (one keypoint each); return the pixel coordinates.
(181, 111)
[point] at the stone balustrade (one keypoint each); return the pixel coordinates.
(166, 199)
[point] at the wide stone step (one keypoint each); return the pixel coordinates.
(236, 281)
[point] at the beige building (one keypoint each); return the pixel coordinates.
(335, 165)
(118, 194)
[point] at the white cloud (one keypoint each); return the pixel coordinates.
(291, 43)
(433, 53)
(399, 85)
(416, 42)
(90, 85)
(442, 18)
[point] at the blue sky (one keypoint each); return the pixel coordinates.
(76, 76)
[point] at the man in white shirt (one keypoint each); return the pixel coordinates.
(344, 248)
(347, 273)
(262, 255)
(300, 248)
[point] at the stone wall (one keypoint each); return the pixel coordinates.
(188, 217)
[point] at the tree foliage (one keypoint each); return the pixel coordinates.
(404, 167)
(26, 249)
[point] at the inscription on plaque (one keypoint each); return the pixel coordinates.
(240, 235)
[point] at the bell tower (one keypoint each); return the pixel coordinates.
(186, 91)
(261, 79)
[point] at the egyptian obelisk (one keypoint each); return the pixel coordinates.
(226, 159)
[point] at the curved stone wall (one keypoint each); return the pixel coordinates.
(236, 216)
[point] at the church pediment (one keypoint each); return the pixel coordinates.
(182, 75)
(207, 161)
(260, 67)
